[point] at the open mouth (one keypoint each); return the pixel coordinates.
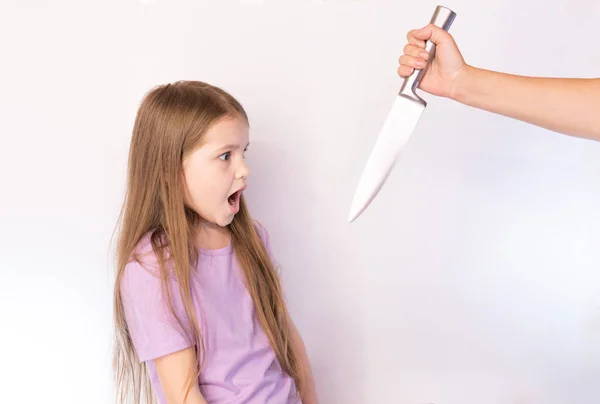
(234, 198)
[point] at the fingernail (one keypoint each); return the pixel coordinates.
(420, 63)
(424, 55)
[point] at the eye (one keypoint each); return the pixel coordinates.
(225, 156)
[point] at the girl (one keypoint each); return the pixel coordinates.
(199, 311)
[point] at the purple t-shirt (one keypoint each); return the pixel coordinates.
(239, 365)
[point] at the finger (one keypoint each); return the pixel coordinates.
(431, 33)
(413, 40)
(418, 36)
(411, 61)
(417, 42)
(405, 71)
(416, 51)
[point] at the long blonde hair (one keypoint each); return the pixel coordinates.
(170, 122)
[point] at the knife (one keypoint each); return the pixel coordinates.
(397, 128)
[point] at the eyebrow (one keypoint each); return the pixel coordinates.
(230, 146)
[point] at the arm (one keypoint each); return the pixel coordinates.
(568, 106)
(565, 105)
(174, 371)
(309, 392)
(154, 336)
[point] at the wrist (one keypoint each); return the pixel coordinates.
(462, 83)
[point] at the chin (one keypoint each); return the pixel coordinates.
(222, 221)
(226, 221)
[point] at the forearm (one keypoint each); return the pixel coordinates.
(174, 371)
(564, 105)
(308, 392)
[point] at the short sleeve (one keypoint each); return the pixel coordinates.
(153, 329)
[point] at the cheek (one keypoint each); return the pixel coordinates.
(201, 187)
(196, 188)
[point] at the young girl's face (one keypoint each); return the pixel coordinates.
(215, 173)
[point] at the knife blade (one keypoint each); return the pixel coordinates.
(397, 129)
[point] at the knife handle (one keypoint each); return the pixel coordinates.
(443, 17)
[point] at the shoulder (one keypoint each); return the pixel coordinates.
(155, 321)
(142, 271)
(261, 229)
(263, 233)
(144, 288)
(266, 240)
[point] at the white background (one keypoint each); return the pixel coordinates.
(474, 276)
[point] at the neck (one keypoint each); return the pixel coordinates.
(211, 236)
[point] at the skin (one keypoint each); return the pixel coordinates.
(309, 393)
(173, 370)
(568, 106)
(212, 172)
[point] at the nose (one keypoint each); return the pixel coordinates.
(243, 171)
